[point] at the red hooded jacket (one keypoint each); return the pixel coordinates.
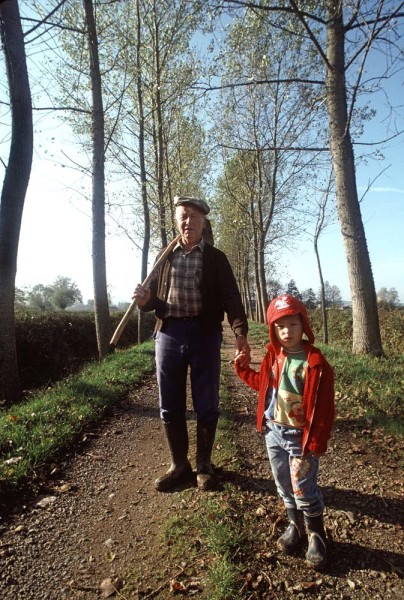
(318, 394)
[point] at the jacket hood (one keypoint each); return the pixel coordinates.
(284, 306)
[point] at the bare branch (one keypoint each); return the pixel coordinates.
(253, 5)
(212, 88)
(394, 15)
(310, 33)
(62, 108)
(278, 148)
(52, 12)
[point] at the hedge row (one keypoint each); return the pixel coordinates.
(51, 345)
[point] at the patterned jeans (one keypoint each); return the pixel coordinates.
(295, 475)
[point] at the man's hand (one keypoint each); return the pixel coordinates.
(141, 294)
(243, 351)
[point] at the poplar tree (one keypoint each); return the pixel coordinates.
(15, 183)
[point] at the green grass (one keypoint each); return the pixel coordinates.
(33, 432)
(228, 456)
(217, 530)
(216, 534)
(369, 387)
(222, 580)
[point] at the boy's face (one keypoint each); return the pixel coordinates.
(289, 332)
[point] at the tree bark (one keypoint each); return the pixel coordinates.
(101, 308)
(366, 329)
(13, 192)
(323, 306)
(141, 324)
(159, 131)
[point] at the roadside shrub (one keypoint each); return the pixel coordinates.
(52, 345)
(340, 328)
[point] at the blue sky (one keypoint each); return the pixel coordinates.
(383, 217)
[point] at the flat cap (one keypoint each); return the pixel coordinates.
(196, 202)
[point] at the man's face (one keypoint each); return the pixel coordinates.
(190, 223)
(289, 332)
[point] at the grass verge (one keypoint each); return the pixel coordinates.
(218, 533)
(34, 432)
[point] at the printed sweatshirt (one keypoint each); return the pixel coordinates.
(318, 395)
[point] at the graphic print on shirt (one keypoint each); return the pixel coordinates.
(289, 404)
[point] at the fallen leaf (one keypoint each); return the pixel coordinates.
(45, 502)
(350, 516)
(65, 487)
(109, 586)
(176, 586)
(304, 585)
(95, 456)
(13, 460)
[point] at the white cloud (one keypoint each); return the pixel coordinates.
(381, 189)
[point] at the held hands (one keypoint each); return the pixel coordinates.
(243, 351)
(141, 294)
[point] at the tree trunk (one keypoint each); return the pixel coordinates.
(323, 307)
(257, 279)
(366, 329)
(159, 131)
(262, 279)
(102, 317)
(141, 323)
(13, 193)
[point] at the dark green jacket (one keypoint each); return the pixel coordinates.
(220, 293)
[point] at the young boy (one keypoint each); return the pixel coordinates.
(295, 387)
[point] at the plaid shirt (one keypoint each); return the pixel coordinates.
(184, 297)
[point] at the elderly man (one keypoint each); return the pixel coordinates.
(193, 290)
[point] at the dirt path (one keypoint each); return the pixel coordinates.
(98, 516)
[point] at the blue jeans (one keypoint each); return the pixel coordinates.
(295, 475)
(181, 344)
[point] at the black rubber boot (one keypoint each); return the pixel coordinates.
(292, 537)
(317, 551)
(180, 470)
(205, 438)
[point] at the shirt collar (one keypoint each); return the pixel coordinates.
(200, 245)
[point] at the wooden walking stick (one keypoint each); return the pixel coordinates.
(124, 321)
